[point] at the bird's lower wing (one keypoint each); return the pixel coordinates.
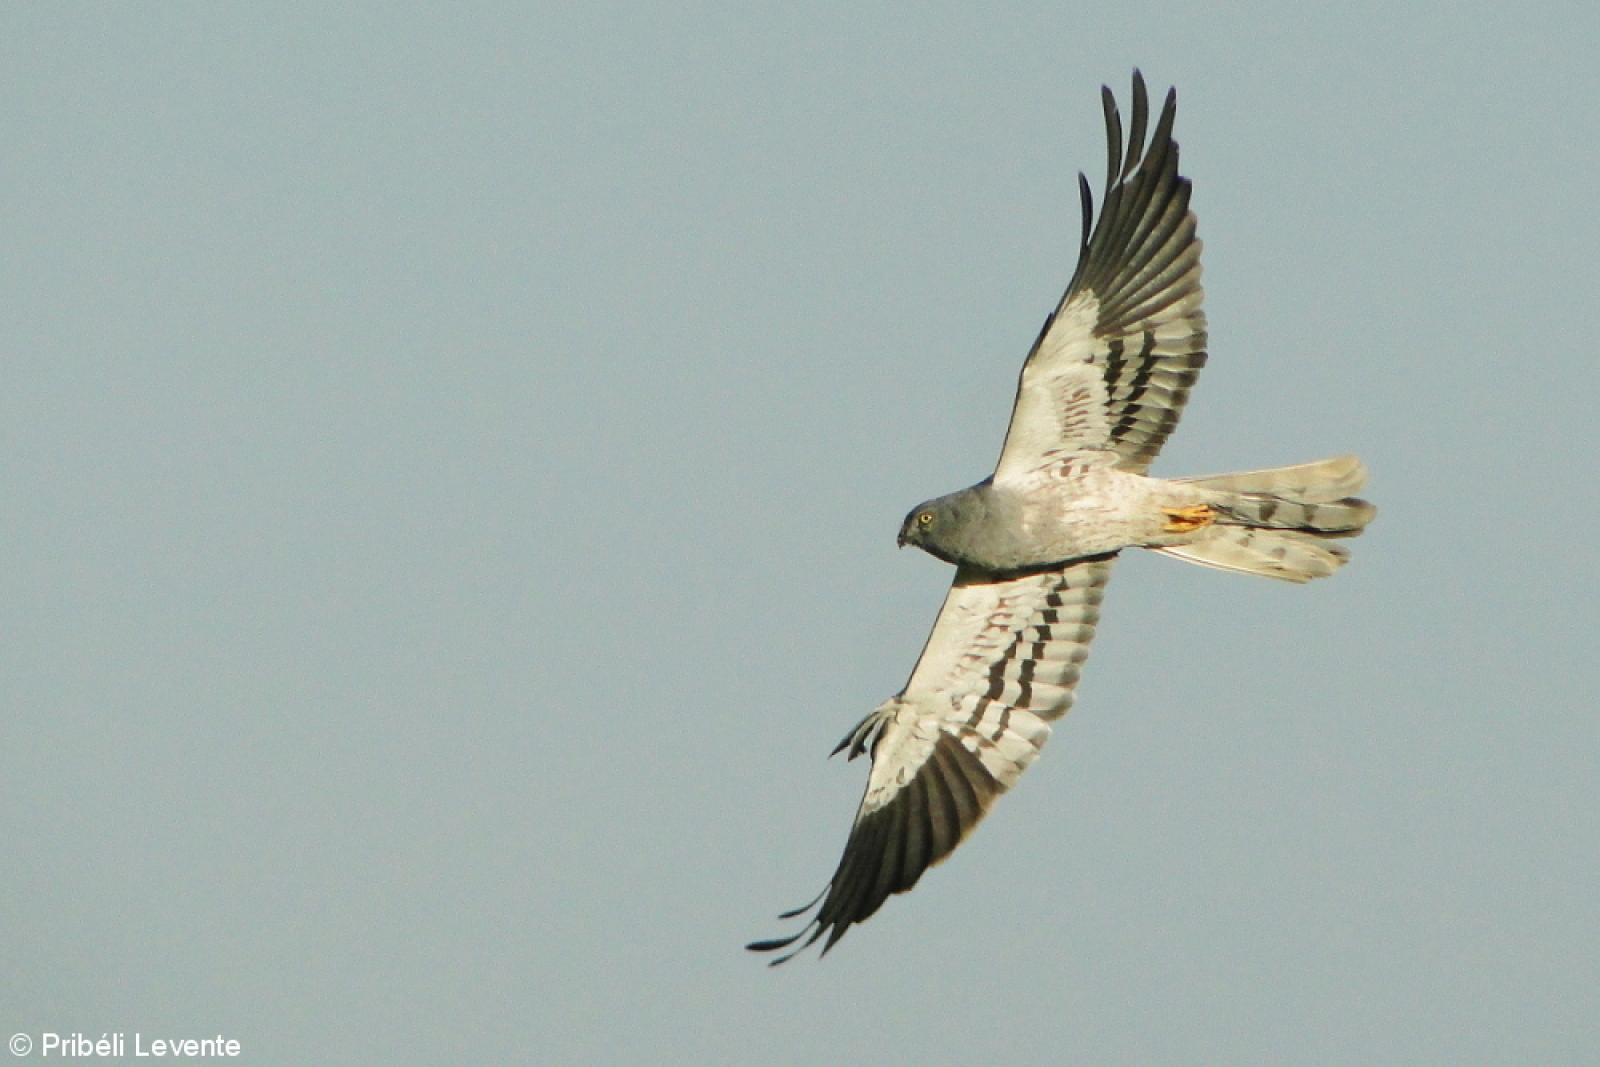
(1001, 663)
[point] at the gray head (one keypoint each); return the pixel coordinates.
(945, 526)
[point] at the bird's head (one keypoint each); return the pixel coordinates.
(946, 526)
(934, 526)
(919, 525)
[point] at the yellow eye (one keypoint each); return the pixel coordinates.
(925, 519)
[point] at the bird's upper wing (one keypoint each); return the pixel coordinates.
(1001, 662)
(1113, 365)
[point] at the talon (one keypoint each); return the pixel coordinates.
(1189, 519)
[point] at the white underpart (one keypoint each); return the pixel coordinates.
(1061, 397)
(1031, 636)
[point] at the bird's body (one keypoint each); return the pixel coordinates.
(1034, 543)
(1069, 509)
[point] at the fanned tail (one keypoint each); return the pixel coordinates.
(1281, 522)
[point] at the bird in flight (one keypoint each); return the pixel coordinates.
(1033, 544)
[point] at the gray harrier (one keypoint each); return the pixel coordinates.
(1033, 544)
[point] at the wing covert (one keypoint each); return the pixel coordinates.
(1001, 663)
(1113, 365)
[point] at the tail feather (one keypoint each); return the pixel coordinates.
(1289, 555)
(1311, 483)
(1279, 522)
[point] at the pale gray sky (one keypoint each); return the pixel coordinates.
(451, 461)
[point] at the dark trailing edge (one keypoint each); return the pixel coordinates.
(890, 847)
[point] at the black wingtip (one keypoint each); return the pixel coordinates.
(1086, 201)
(773, 946)
(802, 909)
(778, 943)
(1113, 118)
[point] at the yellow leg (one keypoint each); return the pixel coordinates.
(1189, 519)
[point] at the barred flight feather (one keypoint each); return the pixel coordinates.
(1130, 321)
(999, 666)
